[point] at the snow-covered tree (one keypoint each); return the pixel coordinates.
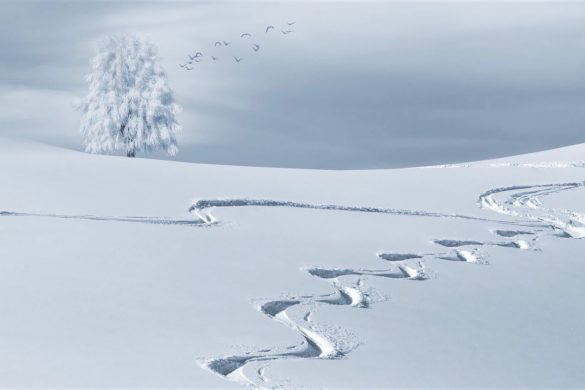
(129, 106)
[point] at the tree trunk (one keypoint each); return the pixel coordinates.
(130, 150)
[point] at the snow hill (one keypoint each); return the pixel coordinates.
(124, 273)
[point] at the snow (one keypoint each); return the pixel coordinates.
(129, 106)
(118, 272)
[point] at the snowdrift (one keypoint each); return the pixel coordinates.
(119, 272)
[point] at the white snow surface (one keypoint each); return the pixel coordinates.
(136, 273)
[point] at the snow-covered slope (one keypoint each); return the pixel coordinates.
(120, 272)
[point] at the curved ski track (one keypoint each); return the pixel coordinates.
(296, 312)
(524, 202)
(521, 203)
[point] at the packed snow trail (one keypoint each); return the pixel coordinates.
(199, 207)
(320, 343)
(147, 220)
(542, 164)
(521, 203)
(524, 202)
(315, 342)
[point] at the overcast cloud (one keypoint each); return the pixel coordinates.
(356, 85)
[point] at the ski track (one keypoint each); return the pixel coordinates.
(519, 202)
(542, 164)
(198, 208)
(200, 221)
(524, 202)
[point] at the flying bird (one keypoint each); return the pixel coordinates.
(218, 43)
(268, 28)
(189, 67)
(213, 58)
(286, 31)
(238, 59)
(184, 65)
(225, 43)
(197, 55)
(256, 47)
(290, 23)
(245, 35)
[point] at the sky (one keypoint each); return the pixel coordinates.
(355, 85)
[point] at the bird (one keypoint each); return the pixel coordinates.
(238, 59)
(245, 35)
(226, 43)
(218, 43)
(256, 47)
(286, 31)
(189, 67)
(290, 23)
(213, 58)
(183, 65)
(268, 28)
(198, 54)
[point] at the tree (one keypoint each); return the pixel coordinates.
(129, 106)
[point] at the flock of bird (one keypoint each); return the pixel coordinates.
(199, 56)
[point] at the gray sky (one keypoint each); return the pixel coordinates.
(356, 85)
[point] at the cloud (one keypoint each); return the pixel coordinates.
(356, 85)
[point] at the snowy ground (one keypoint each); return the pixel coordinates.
(117, 272)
